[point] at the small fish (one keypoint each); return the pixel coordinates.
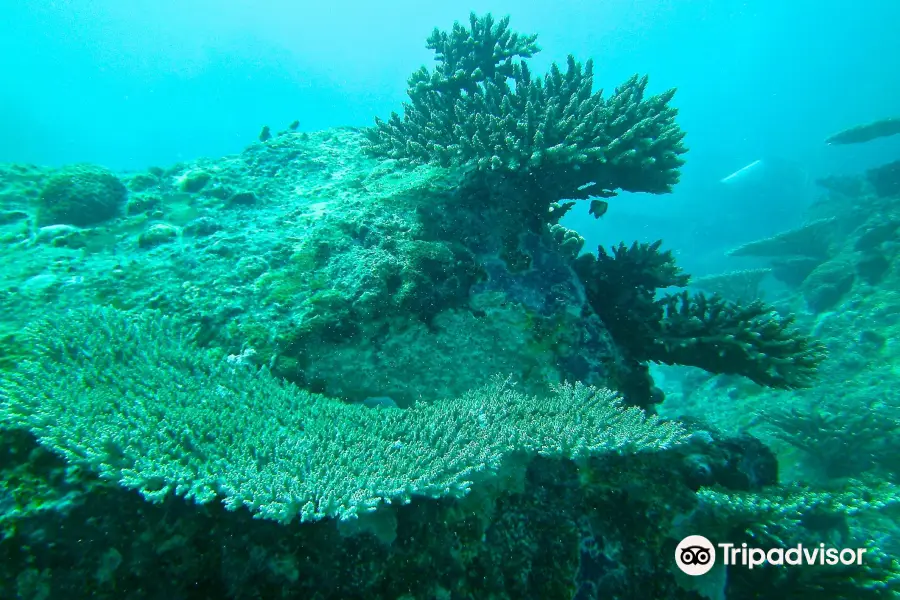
(265, 134)
(599, 208)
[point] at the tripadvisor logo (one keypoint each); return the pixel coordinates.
(696, 555)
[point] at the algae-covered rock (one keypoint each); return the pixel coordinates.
(142, 203)
(81, 195)
(140, 182)
(827, 284)
(157, 234)
(194, 181)
(242, 199)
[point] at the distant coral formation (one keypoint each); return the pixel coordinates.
(885, 179)
(795, 253)
(867, 132)
(741, 285)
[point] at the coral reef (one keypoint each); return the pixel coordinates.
(554, 531)
(344, 276)
(785, 516)
(605, 528)
(293, 352)
(826, 257)
(843, 433)
(134, 400)
(539, 139)
(835, 440)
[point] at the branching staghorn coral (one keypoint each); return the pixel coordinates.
(621, 288)
(133, 399)
(542, 139)
(694, 330)
(724, 337)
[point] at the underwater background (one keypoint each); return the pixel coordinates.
(261, 338)
(154, 83)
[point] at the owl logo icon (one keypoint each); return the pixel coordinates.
(695, 555)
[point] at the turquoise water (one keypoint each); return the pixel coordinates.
(261, 338)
